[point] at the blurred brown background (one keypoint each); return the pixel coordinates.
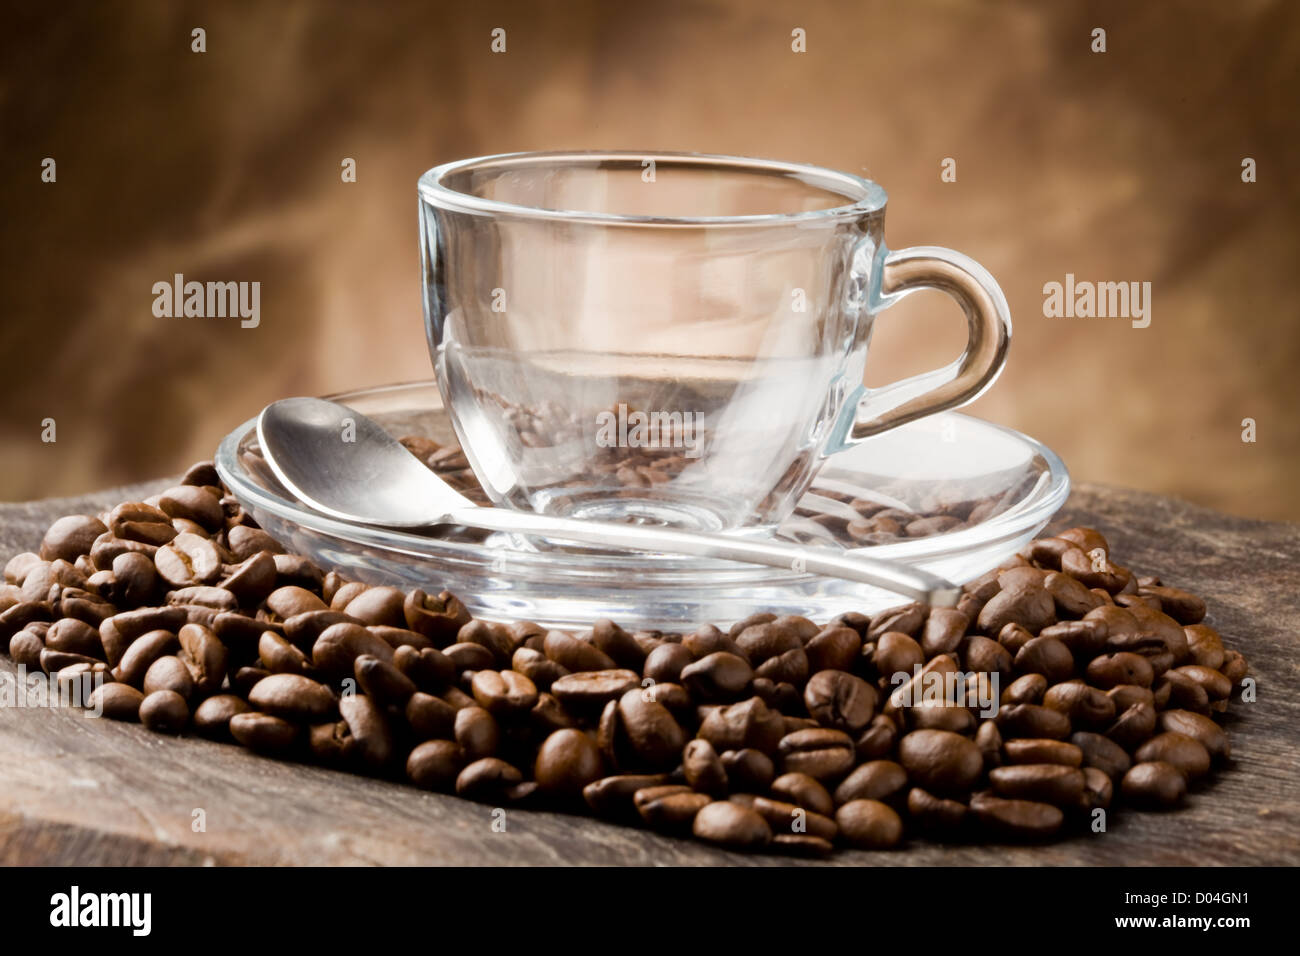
(1122, 166)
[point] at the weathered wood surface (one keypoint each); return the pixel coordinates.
(81, 791)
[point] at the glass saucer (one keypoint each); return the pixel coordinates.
(952, 494)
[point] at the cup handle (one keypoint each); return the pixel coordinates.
(988, 322)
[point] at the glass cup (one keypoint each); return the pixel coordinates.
(674, 338)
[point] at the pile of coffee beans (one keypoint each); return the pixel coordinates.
(1062, 686)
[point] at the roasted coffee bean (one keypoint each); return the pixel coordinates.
(1024, 819)
(438, 617)
(302, 630)
(1217, 687)
(428, 668)
(116, 701)
(368, 727)
(71, 536)
(487, 779)
(187, 560)
(566, 762)
(477, 732)
(897, 653)
(279, 656)
(1204, 645)
(703, 768)
(654, 739)
(833, 648)
(1029, 605)
(869, 825)
(709, 640)
(293, 697)
(1186, 753)
(20, 615)
(429, 717)
(874, 780)
(803, 791)
(136, 580)
(245, 542)
(670, 807)
(1045, 782)
(940, 715)
(458, 698)
(801, 844)
(1102, 753)
(435, 764)
(748, 723)
(840, 700)
(1126, 695)
(251, 581)
(168, 673)
(1183, 606)
(1200, 728)
(748, 769)
(194, 504)
(537, 667)
(1030, 751)
(548, 716)
(943, 631)
(934, 814)
(164, 711)
(666, 662)
(342, 595)
(1046, 656)
(987, 655)
(1156, 785)
(382, 682)
(293, 570)
(1028, 689)
(1133, 726)
(612, 796)
(1235, 667)
(989, 741)
(245, 679)
(504, 693)
(1085, 706)
(378, 605)
(240, 634)
(74, 636)
(137, 521)
(790, 668)
(824, 754)
(590, 690)
(26, 646)
(1085, 639)
(731, 825)
(290, 599)
(938, 671)
(17, 567)
(1013, 637)
(760, 642)
(108, 548)
(784, 817)
(577, 656)
(878, 739)
(617, 645)
(264, 732)
(53, 661)
(204, 595)
(212, 717)
(335, 652)
(205, 657)
(718, 676)
(905, 619)
(1032, 720)
(1181, 692)
(940, 761)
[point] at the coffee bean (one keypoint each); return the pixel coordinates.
(1102, 753)
(566, 762)
(205, 657)
(869, 825)
(669, 807)
(438, 617)
(382, 681)
(823, 754)
(1027, 689)
(1183, 606)
(1085, 639)
(1216, 686)
(435, 764)
(989, 741)
(1204, 645)
(116, 701)
(74, 636)
(761, 642)
(897, 653)
(703, 768)
(612, 796)
(137, 521)
(378, 605)
(212, 717)
(941, 761)
(164, 711)
(1186, 753)
(718, 676)
(934, 814)
(1126, 695)
(368, 726)
(335, 652)
(293, 570)
(874, 780)
(193, 504)
(578, 656)
(906, 619)
(1044, 782)
(477, 732)
(69, 537)
(1085, 706)
(1029, 605)
(833, 648)
(245, 542)
(747, 769)
(590, 690)
(1133, 726)
(878, 739)
(287, 601)
(789, 818)
(168, 673)
(428, 668)
(803, 791)
(539, 668)
(1046, 656)
(840, 700)
(654, 738)
(801, 844)
(1024, 819)
(731, 825)
(709, 640)
(618, 645)
(1200, 728)
(548, 716)
(253, 580)
(1181, 692)
(429, 717)
(264, 732)
(1032, 720)
(291, 696)
(188, 560)
(504, 693)
(1030, 751)
(1156, 785)
(487, 779)
(943, 632)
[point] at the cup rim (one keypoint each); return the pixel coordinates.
(871, 195)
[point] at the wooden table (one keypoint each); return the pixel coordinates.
(81, 791)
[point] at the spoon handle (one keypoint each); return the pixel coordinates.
(890, 575)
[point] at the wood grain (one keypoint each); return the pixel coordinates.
(75, 790)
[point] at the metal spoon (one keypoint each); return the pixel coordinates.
(374, 480)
